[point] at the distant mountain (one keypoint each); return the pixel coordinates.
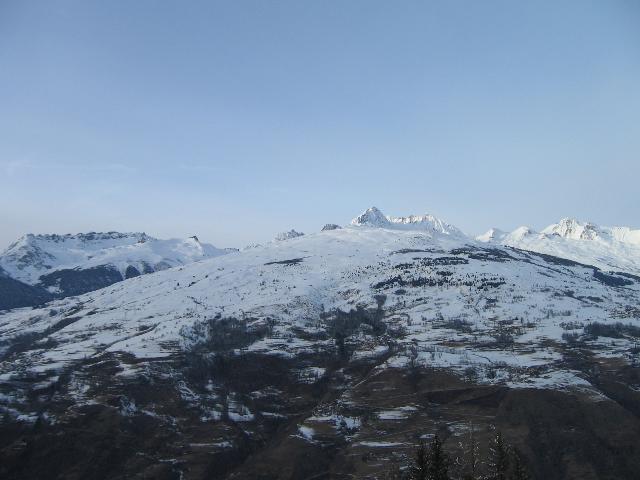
(611, 248)
(491, 235)
(373, 217)
(55, 266)
(330, 355)
(288, 235)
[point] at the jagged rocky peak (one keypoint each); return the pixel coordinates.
(566, 229)
(373, 217)
(38, 248)
(82, 237)
(287, 235)
(573, 229)
(331, 226)
(428, 222)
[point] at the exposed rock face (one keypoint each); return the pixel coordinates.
(331, 226)
(79, 281)
(371, 217)
(15, 294)
(571, 228)
(287, 235)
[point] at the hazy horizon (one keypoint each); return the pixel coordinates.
(268, 236)
(235, 121)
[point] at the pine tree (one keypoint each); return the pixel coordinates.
(39, 424)
(420, 469)
(498, 459)
(519, 470)
(438, 461)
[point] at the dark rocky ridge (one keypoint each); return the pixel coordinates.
(15, 294)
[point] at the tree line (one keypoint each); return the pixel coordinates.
(431, 461)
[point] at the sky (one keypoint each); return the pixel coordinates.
(239, 119)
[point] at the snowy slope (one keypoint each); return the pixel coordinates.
(609, 248)
(359, 338)
(429, 279)
(32, 256)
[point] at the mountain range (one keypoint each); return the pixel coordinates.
(605, 247)
(38, 268)
(328, 353)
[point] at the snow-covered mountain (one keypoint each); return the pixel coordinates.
(334, 347)
(373, 217)
(611, 248)
(72, 264)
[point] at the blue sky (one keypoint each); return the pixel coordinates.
(235, 120)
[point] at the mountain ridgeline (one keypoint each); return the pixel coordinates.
(335, 354)
(40, 268)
